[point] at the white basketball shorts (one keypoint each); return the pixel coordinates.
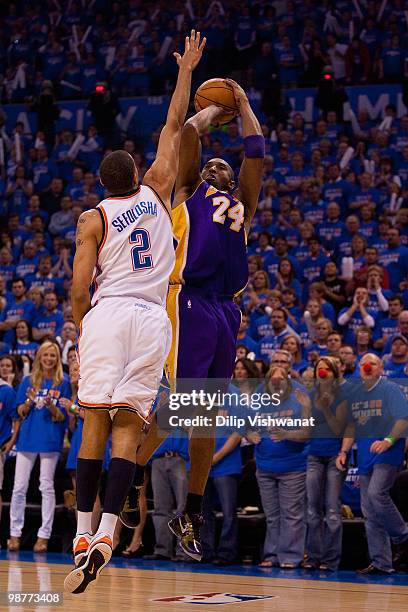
(122, 348)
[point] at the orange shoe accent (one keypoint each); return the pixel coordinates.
(105, 539)
(81, 546)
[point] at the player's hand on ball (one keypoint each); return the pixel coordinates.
(193, 51)
(239, 93)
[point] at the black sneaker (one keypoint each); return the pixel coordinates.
(187, 531)
(130, 513)
(401, 555)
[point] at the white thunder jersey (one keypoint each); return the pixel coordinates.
(136, 254)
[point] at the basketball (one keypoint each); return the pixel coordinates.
(217, 91)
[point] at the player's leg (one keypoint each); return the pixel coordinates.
(102, 361)
(222, 320)
(130, 514)
(193, 342)
(126, 433)
(97, 426)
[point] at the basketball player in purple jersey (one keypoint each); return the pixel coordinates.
(211, 219)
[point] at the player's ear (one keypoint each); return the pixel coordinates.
(232, 184)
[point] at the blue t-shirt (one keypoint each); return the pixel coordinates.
(322, 443)
(52, 322)
(25, 348)
(231, 463)
(23, 310)
(8, 411)
(395, 260)
(374, 412)
(269, 344)
(281, 455)
(355, 321)
(26, 266)
(38, 432)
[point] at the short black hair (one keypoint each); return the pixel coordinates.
(117, 172)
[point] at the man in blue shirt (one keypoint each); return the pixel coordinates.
(29, 260)
(395, 258)
(48, 325)
(44, 277)
(396, 366)
(356, 315)
(314, 264)
(378, 418)
(280, 329)
(386, 327)
(336, 189)
(18, 308)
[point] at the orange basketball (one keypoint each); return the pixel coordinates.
(217, 91)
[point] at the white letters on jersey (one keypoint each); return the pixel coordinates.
(136, 255)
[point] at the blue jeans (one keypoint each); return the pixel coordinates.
(223, 489)
(169, 484)
(283, 501)
(324, 526)
(383, 522)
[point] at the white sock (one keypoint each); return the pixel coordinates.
(108, 523)
(84, 523)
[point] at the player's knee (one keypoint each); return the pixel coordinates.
(96, 432)
(126, 433)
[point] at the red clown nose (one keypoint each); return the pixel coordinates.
(367, 368)
(322, 373)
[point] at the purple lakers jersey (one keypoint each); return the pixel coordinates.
(211, 242)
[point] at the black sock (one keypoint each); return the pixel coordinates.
(139, 475)
(193, 504)
(120, 477)
(88, 473)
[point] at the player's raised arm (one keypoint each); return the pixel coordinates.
(162, 174)
(189, 176)
(250, 176)
(88, 236)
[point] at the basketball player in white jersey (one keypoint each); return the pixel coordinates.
(125, 248)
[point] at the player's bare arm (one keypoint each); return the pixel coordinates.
(250, 175)
(163, 172)
(189, 175)
(88, 236)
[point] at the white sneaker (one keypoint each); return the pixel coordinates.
(93, 561)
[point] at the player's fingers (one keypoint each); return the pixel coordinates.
(201, 47)
(177, 56)
(192, 36)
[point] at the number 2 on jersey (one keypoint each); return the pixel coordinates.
(141, 259)
(236, 213)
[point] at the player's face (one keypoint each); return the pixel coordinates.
(219, 174)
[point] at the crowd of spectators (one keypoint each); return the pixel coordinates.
(76, 44)
(328, 248)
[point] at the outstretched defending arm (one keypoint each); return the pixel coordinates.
(88, 236)
(190, 152)
(250, 175)
(163, 172)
